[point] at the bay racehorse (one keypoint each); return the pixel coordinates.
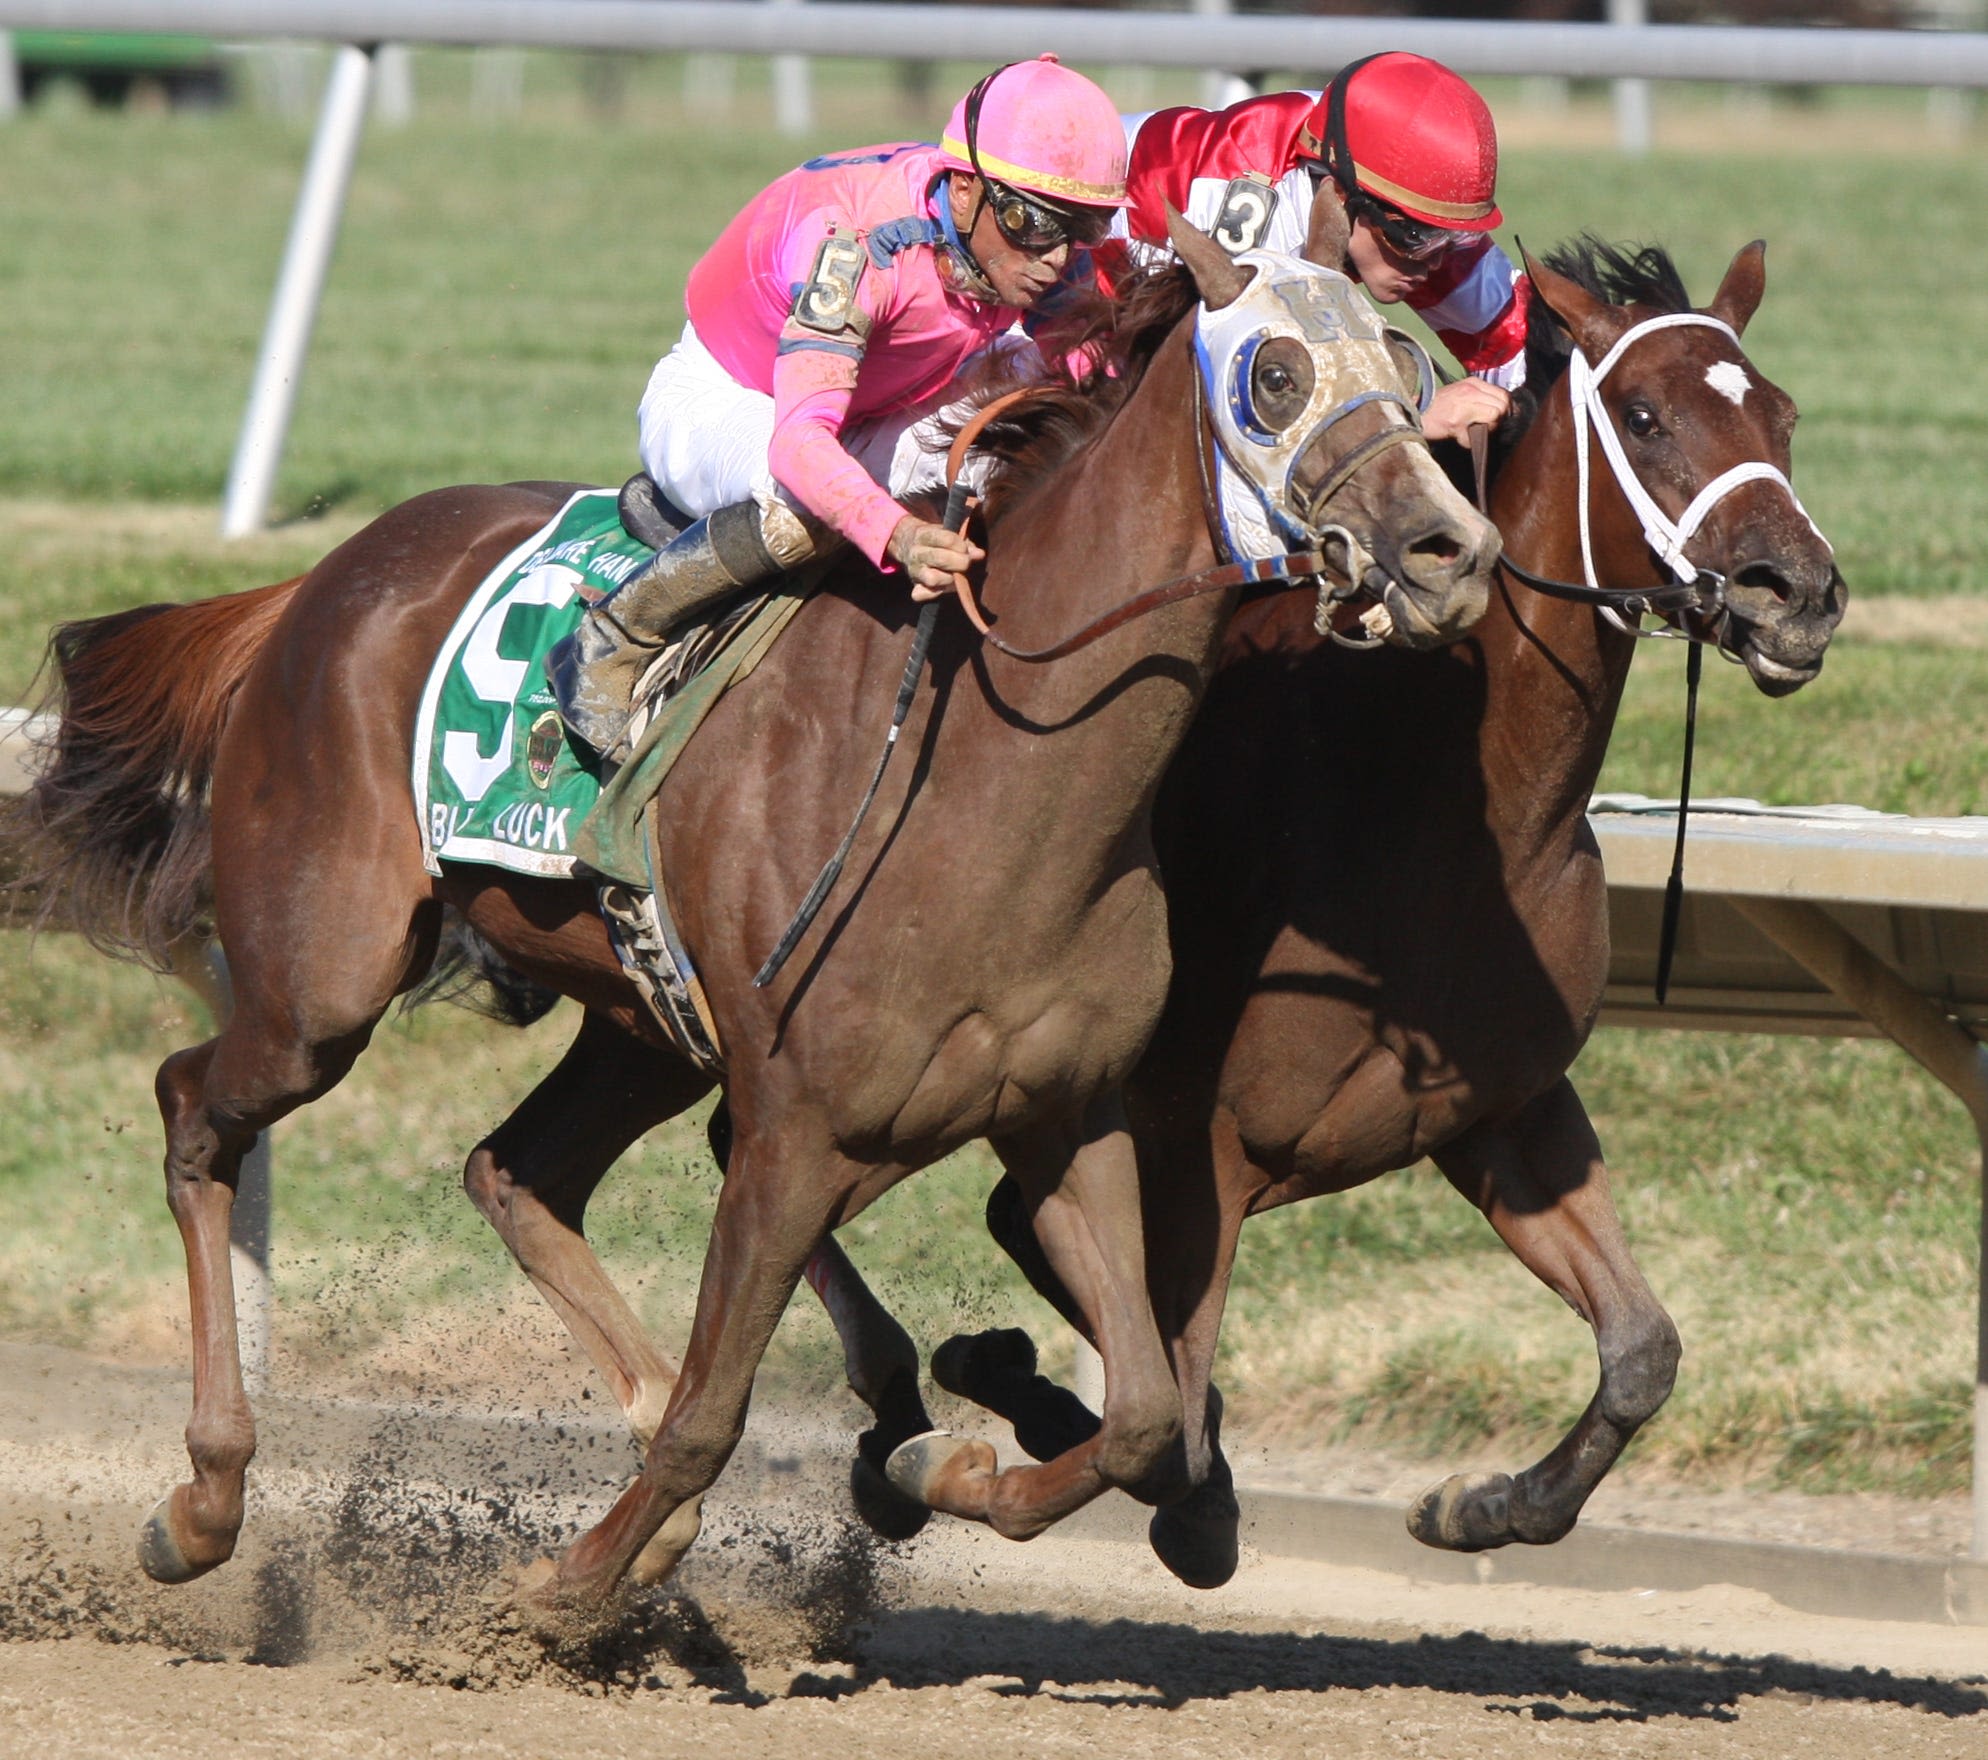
(991, 966)
(1392, 943)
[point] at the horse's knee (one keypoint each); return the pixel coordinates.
(1140, 1445)
(486, 1184)
(686, 1458)
(1639, 1368)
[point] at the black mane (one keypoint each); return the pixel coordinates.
(1622, 275)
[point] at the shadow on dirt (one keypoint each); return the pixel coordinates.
(1150, 1663)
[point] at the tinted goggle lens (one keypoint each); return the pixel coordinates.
(1414, 239)
(1033, 225)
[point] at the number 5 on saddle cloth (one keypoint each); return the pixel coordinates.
(496, 780)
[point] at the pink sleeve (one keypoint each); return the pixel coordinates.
(814, 380)
(812, 386)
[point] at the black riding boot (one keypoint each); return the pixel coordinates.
(594, 672)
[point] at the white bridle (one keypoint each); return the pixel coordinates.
(1665, 536)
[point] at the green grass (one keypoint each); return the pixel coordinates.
(1807, 1209)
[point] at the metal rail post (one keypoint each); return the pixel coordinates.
(204, 971)
(299, 286)
(793, 90)
(10, 77)
(1632, 96)
(1933, 1039)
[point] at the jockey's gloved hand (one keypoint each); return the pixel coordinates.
(931, 554)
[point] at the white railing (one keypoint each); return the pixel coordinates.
(788, 31)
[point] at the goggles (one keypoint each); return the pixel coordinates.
(1417, 241)
(1029, 223)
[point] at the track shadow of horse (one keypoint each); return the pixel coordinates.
(1138, 1662)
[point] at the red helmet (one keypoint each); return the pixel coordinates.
(1412, 134)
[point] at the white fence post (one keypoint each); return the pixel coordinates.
(496, 82)
(793, 89)
(1632, 96)
(1221, 89)
(10, 78)
(299, 285)
(393, 85)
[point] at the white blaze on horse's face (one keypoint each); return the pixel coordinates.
(1729, 379)
(1353, 365)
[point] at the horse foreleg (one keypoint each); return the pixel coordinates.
(773, 1211)
(881, 1364)
(1082, 1186)
(1543, 1185)
(996, 1369)
(1200, 1182)
(879, 1361)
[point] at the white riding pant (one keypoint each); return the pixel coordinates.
(705, 437)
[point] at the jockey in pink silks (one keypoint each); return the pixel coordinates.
(833, 316)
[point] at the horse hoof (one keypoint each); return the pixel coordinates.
(1199, 1546)
(655, 1562)
(928, 1466)
(1467, 1512)
(553, 1615)
(160, 1555)
(884, 1509)
(970, 1359)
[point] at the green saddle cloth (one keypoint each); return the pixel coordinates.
(496, 779)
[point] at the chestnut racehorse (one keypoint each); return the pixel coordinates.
(1392, 942)
(991, 965)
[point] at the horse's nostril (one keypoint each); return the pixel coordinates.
(1763, 577)
(1439, 548)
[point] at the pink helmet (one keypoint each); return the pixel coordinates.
(1038, 126)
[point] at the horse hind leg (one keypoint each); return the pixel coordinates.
(214, 1099)
(1543, 1184)
(533, 1176)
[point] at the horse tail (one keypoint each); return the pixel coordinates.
(112, 839)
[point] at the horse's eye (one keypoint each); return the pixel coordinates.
(1276, 380)
(1640, 419)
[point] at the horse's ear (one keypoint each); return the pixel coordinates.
(1584, 317)
(1330, 230)
(1217, 276)
(1739, 294)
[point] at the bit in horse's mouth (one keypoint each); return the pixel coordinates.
(1350, 615)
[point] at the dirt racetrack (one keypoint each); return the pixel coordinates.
(359, 1618)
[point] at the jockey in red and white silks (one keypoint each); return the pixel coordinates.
(1417, 167)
